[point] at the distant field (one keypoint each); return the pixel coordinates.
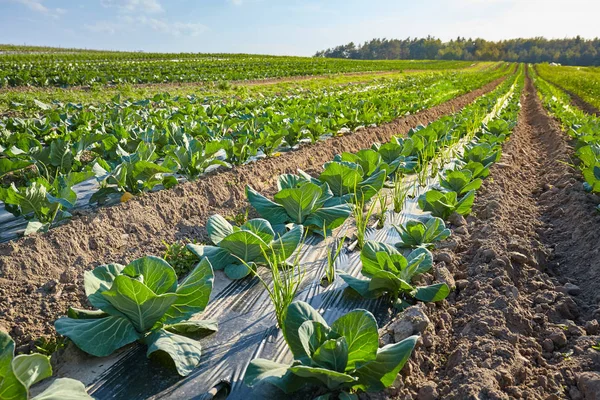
(70, 68)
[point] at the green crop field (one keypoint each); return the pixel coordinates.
(189, 225)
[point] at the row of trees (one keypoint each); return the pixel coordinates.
(572, 51)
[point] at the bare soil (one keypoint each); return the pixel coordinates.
(41, 276)
(524, 316)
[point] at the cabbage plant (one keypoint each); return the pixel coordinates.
(478, 170)
(19, 373)
(43, 203)
(341, 358)
(237, 250)
(592, 178)
(416, 233)
(300, 202)
(394, 155)
(369, 160)
(135, 173)
(443, 205)
(460, 181)
(389, 272)
(142, 302)
(350, 183)
(482, 153)
(190, 157)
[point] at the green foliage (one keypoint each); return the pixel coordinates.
(584, 128)
(101, 67)
(180, 257)
(124, 140)
(389, 272)
(362, 216)
(400, 191)
(19, 373)
(190, 157)
(571, 51)
(142, 302)
(445, 204)
(43, 203)
(300, 202)
(286, 278)
(135, 173)
(344, 357)
(237, 250)
(482, 153)
(460, 181)
(416, 233)
(349, 182)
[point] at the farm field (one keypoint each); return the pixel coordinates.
(236, 226)
(85, 68)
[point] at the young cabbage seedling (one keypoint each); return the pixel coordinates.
(416, 233)
(302, 203)
(389, 272)
(343, 358)
(362, 215)
(445, 204)
(238, 250)
(382, 215)
(19, 373)
(332, 256)
(142, 302)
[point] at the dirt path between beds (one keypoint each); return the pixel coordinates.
(41, 276)
(582, 104)
(579, 102)
(523, 318)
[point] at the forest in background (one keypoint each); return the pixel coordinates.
(570, 51)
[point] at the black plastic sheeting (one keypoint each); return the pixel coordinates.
(247, 328)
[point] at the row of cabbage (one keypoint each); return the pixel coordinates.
(61, 69)
(582, 81)
(133, 147)
(583, 128)
(144, 301)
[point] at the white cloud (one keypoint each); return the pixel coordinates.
(145, 6)
(236, 2)
(103, 27)
(39, 7)
(129, 23)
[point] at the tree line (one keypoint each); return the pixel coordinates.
(569, 51)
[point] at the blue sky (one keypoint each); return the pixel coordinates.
(281, 27)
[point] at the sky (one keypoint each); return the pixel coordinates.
(286, 27)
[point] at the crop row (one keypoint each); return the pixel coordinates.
(60, 69)
(131, 147)
(582, 127)
(584, 82)
(144, 302)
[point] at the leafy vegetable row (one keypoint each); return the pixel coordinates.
(133, 147)
(584, 82)
(85, 68)
(329, 357)
(144, 302)
(582, 127)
